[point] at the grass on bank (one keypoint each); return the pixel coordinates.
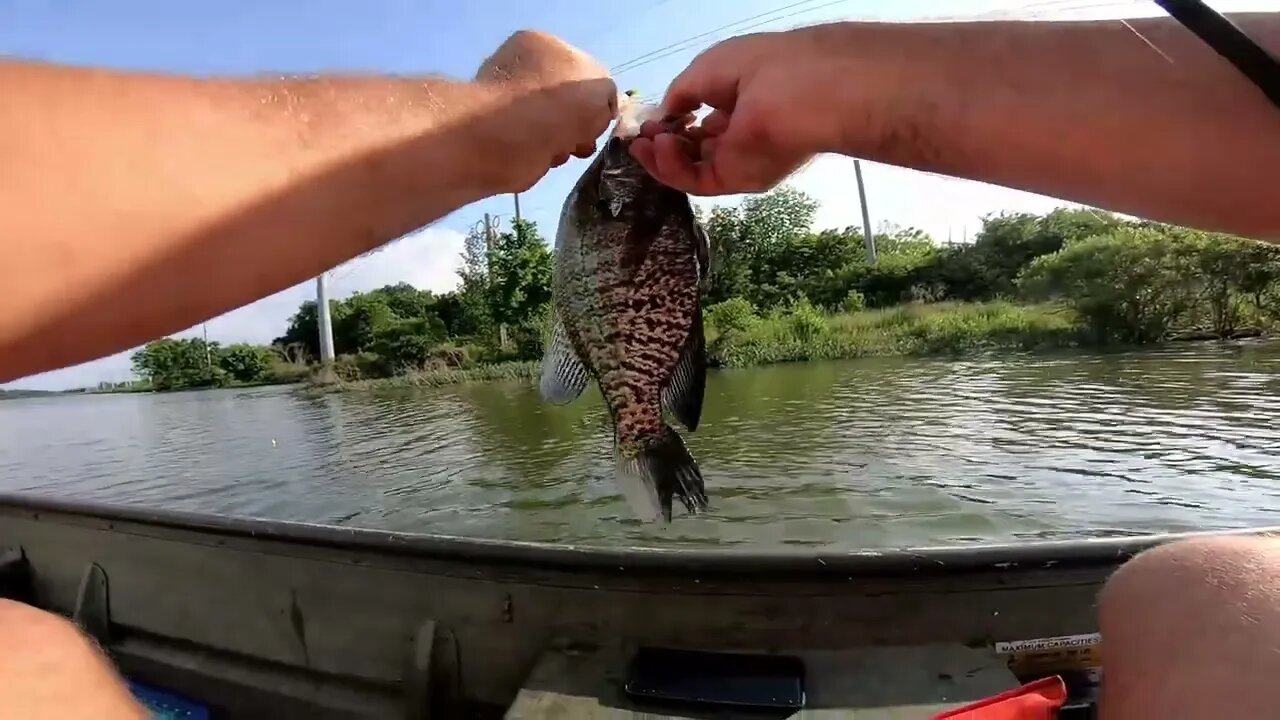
(738, 337)
(436, 377)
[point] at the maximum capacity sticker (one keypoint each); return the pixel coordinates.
(1060, 642)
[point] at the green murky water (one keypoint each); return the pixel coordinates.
(867, 453)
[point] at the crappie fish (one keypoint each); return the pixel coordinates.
(631, 261)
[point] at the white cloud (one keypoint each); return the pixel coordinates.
(428, 259)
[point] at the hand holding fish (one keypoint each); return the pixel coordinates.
(764, 125)
(570, 97)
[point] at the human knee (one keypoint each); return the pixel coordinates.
(1245, 570)
(25, 626)
(52, 670)
(1217, 586)
(1189, 627)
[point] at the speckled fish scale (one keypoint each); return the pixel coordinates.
(630, 262)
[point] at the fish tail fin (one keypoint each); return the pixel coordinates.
(651, 472)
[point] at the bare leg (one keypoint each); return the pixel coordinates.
(50, 670)
(1192, 630)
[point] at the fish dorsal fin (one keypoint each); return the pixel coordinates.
(563, 374)
(682, 396)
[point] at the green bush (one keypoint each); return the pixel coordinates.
(805, 322)
(359, 366)
(915, 329)
(732, 315)
(854, 301)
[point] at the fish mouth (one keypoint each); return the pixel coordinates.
(617, 153)
(617, 145)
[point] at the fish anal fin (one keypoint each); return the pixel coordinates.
(682, 396)
(563, 375)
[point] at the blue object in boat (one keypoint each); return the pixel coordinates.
(164, 705)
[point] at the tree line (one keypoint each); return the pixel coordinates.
(1127, 281)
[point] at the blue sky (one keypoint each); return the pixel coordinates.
(451, 38)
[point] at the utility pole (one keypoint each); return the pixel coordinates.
(867, 237)
(208, 356)
(489, 241)
(517, 198)
(488, 238)
(326, 322)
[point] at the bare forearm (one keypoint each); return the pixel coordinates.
(132, 206)
(1090, 112)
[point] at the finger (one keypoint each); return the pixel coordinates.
(674, 167)
(715, 123)
(559, 160)
(677, 122)
(641, 149)
(650, 128)
(613, 103)
(688, 147)
(706, 81)
(585, 150)
(707, 149)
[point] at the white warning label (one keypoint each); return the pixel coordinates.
(1060, 642)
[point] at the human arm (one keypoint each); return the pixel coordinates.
(136, 205)
(1085, 111)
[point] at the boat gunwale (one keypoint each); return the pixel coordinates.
(631, 560)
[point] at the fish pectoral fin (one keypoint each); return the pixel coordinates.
(682, 396)
(563, 374)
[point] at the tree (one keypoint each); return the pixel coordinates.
(304, 327)
(776, 216)
(407, 301)
(406, 344)
(474, 317)
(363, 316)
(519, 274)
(174, 364)
(1008, 242)
(245, 363)
(730, 259)
(1259, 278)
(1133, 284)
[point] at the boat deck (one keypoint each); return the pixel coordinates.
(256, 618)
(892, 683)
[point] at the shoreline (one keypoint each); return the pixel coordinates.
(739, 338)
(725, 350)
(528, 369)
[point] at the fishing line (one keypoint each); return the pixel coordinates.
(1229, 41)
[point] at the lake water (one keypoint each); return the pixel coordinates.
(866, 453)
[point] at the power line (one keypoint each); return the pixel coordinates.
(612, 26)
(644, 60)
(621, 67)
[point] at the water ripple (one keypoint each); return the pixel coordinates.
(870, 453)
